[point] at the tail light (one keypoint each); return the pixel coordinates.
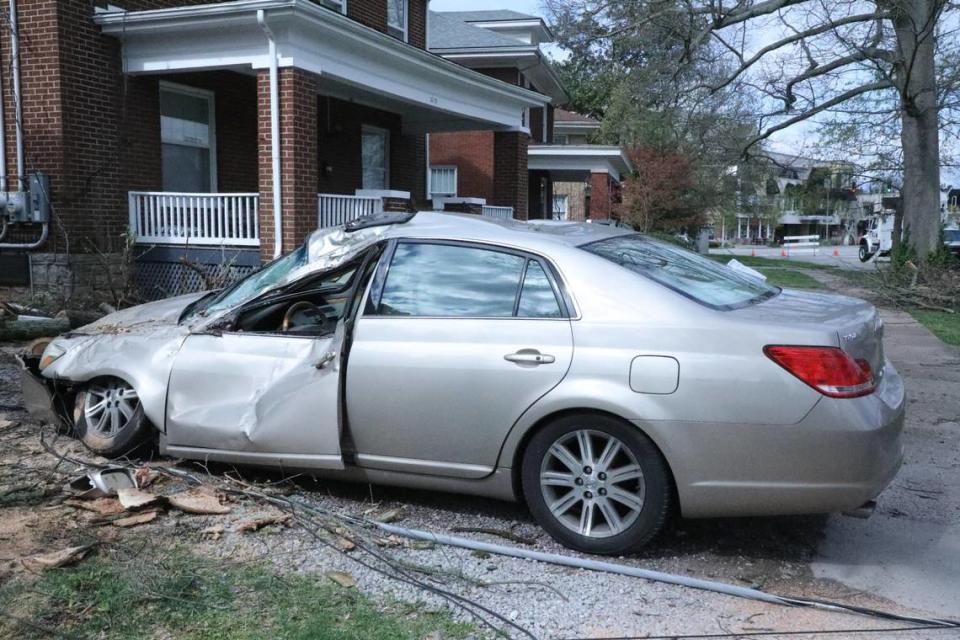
(829, 370)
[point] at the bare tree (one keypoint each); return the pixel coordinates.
(813, 60)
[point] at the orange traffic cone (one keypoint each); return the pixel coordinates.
(753, 253)
(836, 252)
(783, 253)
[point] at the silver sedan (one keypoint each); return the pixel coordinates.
(602, 377)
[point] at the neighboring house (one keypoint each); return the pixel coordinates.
(466, 166)
(799, 196)
(564, 168)
(233, 129)
(586, 177)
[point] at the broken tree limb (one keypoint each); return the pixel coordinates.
(502, 533)
(19, 330)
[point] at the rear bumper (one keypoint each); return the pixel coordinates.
(843, 454)
(39, 398)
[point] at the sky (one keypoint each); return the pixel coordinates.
(796, 140)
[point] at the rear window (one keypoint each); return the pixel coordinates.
(687, 273)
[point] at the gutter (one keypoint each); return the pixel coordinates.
(274, 134)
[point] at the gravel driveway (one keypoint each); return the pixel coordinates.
(904, 559)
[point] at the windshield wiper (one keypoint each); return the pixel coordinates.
(197, 306)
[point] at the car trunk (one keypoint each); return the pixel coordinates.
(856, 322)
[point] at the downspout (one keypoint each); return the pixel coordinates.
(274, 134)
(428, 197)
(17, 96)
(3, 145)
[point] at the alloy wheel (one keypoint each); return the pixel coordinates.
(108, 406)
(592, 483)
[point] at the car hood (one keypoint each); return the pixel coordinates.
(144, 317)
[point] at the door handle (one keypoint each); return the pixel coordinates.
(529, 356)
(326, 359)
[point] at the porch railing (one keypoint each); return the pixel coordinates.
(199, 219)
(504, 213)
(335, 209)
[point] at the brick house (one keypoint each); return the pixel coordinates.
(586, 176)
(563, 168)
(466, 166)
(228, 131)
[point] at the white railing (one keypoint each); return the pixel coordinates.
(504, 213)
(798, 244)
(336, 209)
(199, 219)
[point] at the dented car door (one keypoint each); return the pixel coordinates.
(258, 395)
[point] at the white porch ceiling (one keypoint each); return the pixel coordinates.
(570, 160)
(354, 62)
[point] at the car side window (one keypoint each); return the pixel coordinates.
(449, 281)
(537, 298)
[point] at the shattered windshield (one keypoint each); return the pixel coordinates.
(258, 282)
(683, 271)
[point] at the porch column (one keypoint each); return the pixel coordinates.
(600, 196)
(298, 158)
(510, 176)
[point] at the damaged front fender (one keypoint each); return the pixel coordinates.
(137, 345)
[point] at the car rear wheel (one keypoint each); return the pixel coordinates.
(596, 484)
(109, 418)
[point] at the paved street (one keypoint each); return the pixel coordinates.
(909, 551)
(847, 259)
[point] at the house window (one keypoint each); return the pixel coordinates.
(376, 158)
(560, 207)
(188, 139)
(337, 5)
(443, 182)
(397, 18)
(561, 139)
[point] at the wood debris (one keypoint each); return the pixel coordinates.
(254, 524)
(100, 506)
(137, 519)
(145, 476)
(214, 532)
(342, 578)
(51, 560)
(200, 501)
(391, 515)
(133, 498)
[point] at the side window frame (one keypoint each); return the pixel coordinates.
(355, 287)
(374, 297)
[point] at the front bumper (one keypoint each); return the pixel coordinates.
(40, 398)
(844, 453)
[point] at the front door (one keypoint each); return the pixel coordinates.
(456, 342)
(259, 395)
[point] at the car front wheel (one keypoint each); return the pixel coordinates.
(864, 254)
(109, 419)
(596, 484)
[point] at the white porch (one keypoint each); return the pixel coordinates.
(310, 51)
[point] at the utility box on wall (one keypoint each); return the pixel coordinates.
(28, 207)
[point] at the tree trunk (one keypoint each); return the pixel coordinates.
(920, 133)
(13, 330)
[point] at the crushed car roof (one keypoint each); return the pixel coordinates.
(535, 235)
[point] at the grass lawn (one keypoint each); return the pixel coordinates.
(945, 326)
(790, 279)
(151, 593)
(757, 261)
